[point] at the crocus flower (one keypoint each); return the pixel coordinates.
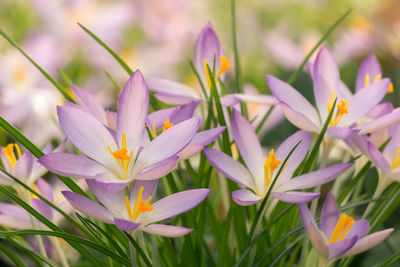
(260, 171)
(207, 48)
(327, 86)
(116, 159)
(135, 212)
(339, 236)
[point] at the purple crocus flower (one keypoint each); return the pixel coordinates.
(327, 86)
(135, 212)
(260, 171)
(207, 48)
(339, 236)
(117, 158)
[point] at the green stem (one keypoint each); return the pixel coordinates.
(60, 252)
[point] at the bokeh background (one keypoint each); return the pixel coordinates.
(157, 36)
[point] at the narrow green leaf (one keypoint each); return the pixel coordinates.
(113, 81)
(260, 125)
(294, 76)
(48, 77)
(138, 249)
(14, 258)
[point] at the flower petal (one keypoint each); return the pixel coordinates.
(319, 241)
(359, 228)
(88, 207)
(245, 197)
(14, 222)
(158, 169)
(306, 216)
(342, 132)
(326, 78)
(230, 100)
(166, 230)
(133, 105)
(378, 158)
(109, 182)
(364, 101)
(172, 99)
(330, 215)
(148, 190)
(382, 122)
(315, 178)
(286, 93)
(89, 103)
(71, 165)
(87, 134)
(168, 87)
(298, 119)
(168, 143)
(337, 249)
(175, 204)
(369, 66)
(43, 208)
(125, 225)
(295, 196)
(268, 100)
(23, 166)
(45, 189)
(368, 242)
(229, 167)
(248, 146)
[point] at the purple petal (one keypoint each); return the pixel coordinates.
(14, 210)
(229, 167)
(125, 225)
(337, 249)
(245, 197)
(42, 208)
(248, 146)
(330, 215)
(298, 154)
(368, 242)
(230, 100)
(71, 165)
(359, 228)
(111, 120)
(189, 151)
(45, 189)
(175, 204)
(378, 158)
(87, 134)
(89, 103)
(298, 119)
(268, 100)
(207, 48)
(168, 143)
(319, 241)
(133, 105)
(369, 66)
(23, 166)
(364, 101)
(109, 182)
(166, 230)
(157, 118)
(315, 178)
(286, 93)
(148, 190)
(184, 112)
(342, 132)
(380, 123)
(172, 99)
(393, 145)
(326, 78)
(380, 110)
(168, 87)
(14, 222)
(88, 207)
(305, 215)
(158, 169)
(295, 196)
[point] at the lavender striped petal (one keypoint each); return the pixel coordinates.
(245, 197)
(166, 230)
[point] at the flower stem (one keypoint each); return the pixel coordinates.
(56, 243)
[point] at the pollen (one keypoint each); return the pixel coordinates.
(342, 109)
(140, 206)
(271, 163)
(342, 228)
(121, 155)
(10, 154)
(167, 125)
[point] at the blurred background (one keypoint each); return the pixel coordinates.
(158, 36)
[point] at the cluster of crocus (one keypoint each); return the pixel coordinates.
(123, 156)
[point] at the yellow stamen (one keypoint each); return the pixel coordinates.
(167, 125)
(390, 88)
(10, 154)
(342, 228)
(271, 163)
(343, 108)
(366, 80)
(208, 74)
(396, 159)
(154, 133)
(224, 65)
(36, 189)
(377, 78)
(71, 94)
(121, 155)
(140, 205)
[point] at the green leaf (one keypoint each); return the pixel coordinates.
(138, 249)
(48, 77)
(294, 76)
(14, 258)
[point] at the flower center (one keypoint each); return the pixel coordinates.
(342, 228)
(140, 205)
(396, 159)
(121, 155)
(377, 78)
(222, 69)
(10, 154)
(271, 163)
(342, 108)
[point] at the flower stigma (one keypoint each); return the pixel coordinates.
(342, 228)
(139, 207)
(342, 107)
(10, 154)
(271, 163)
(121, 155)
